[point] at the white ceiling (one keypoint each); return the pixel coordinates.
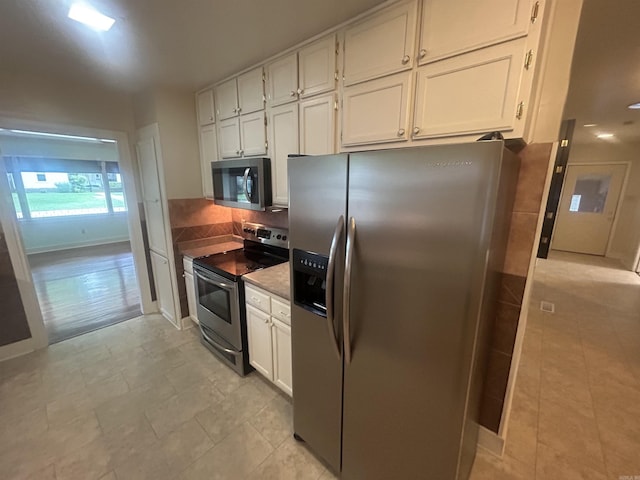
(605, 75)
(180, 43)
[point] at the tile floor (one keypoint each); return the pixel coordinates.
(140, 400)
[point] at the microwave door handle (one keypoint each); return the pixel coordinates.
(331, 267)
(245, 183)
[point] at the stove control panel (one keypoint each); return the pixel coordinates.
(257, 232)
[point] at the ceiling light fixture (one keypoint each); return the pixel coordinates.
(86, 14)
(589, 125)
(605, 135)
(634, 106)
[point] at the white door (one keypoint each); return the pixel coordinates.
(227, 99)
(281, 335)
(205, 107)
(587, 208)
(477, 24)
(283, 141)
(380, 44)
(229, 137)
(317, 67)
(472, 93)
(191, 296)
(259, 339)
(164, 286)
(376, 111)
(253, 134)
(282, 80)
(153, 208)
(318, 125)
(251, 91)
(208, 154)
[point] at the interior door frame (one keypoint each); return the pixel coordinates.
(623, 189)
(14, 240)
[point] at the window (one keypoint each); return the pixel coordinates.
(590, 193)
(41, 177)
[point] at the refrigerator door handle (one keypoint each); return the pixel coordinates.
(331, 267)
(346, 316)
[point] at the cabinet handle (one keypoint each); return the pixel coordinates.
(300, 91)
(401, 132)
(210, 117)
(266, 320)
(241, 152)
(239, 109)
(405, 59)
(423, 53)
(235, 110)
(416, 130)
(237, 152)
(293, 93)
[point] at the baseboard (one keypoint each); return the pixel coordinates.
(490, 441)
(16, 349)
(76, 245)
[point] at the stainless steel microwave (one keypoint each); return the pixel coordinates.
(244, 183)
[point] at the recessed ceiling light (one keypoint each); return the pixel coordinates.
(86, 14)
(605, 135)
(634, 106)
(590, 125)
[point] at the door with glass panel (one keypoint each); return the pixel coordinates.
(590, 198)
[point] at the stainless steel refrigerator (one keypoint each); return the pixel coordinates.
(395, 266)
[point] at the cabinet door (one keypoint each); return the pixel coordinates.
(472, 93)
(191, 296)
(376, 111)
(208, 154)
(259, 339)
(253, 134)
(251, 91)
(318, 125)
(381, 44)
(317, 67)
(281, 335)
(282, 124)
(229, 137)
(205, 107)
(227, 99)
(164, 288)
(282, 80)
(477, 24)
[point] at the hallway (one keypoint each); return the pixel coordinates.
(576, 410)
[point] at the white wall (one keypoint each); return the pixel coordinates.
(626, 237)
(60, 233)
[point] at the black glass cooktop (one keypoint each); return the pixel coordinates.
(234, 264)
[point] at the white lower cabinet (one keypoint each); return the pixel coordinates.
(191, 289)
(269, 336)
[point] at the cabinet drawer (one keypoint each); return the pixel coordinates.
(258, 298)
(188, 265)
(281, 309)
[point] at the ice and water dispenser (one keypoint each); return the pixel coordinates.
(310, 281)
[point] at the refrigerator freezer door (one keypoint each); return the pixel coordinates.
(317, 199)
(418, 267)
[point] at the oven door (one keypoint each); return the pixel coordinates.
(218, 305)
(242, 183)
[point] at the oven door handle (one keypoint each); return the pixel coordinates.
(245, 183)
(204, 278)
(217, 346)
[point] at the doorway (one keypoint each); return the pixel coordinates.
(588, 207)
(71, 214)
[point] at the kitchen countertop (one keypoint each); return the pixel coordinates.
(273, 279)
(211, 249)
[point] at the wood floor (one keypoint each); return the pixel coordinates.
(85, 289)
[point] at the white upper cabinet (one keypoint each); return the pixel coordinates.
(282, 125)
(318, 125)
(253, 134)
(472, 93)
(208, 154)
(282, 80)
(229, 137)
(317, 67)
(205, 107)
(376, 111)
(477, 24)
(227, 99)
(381, 44)
(251, 91)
